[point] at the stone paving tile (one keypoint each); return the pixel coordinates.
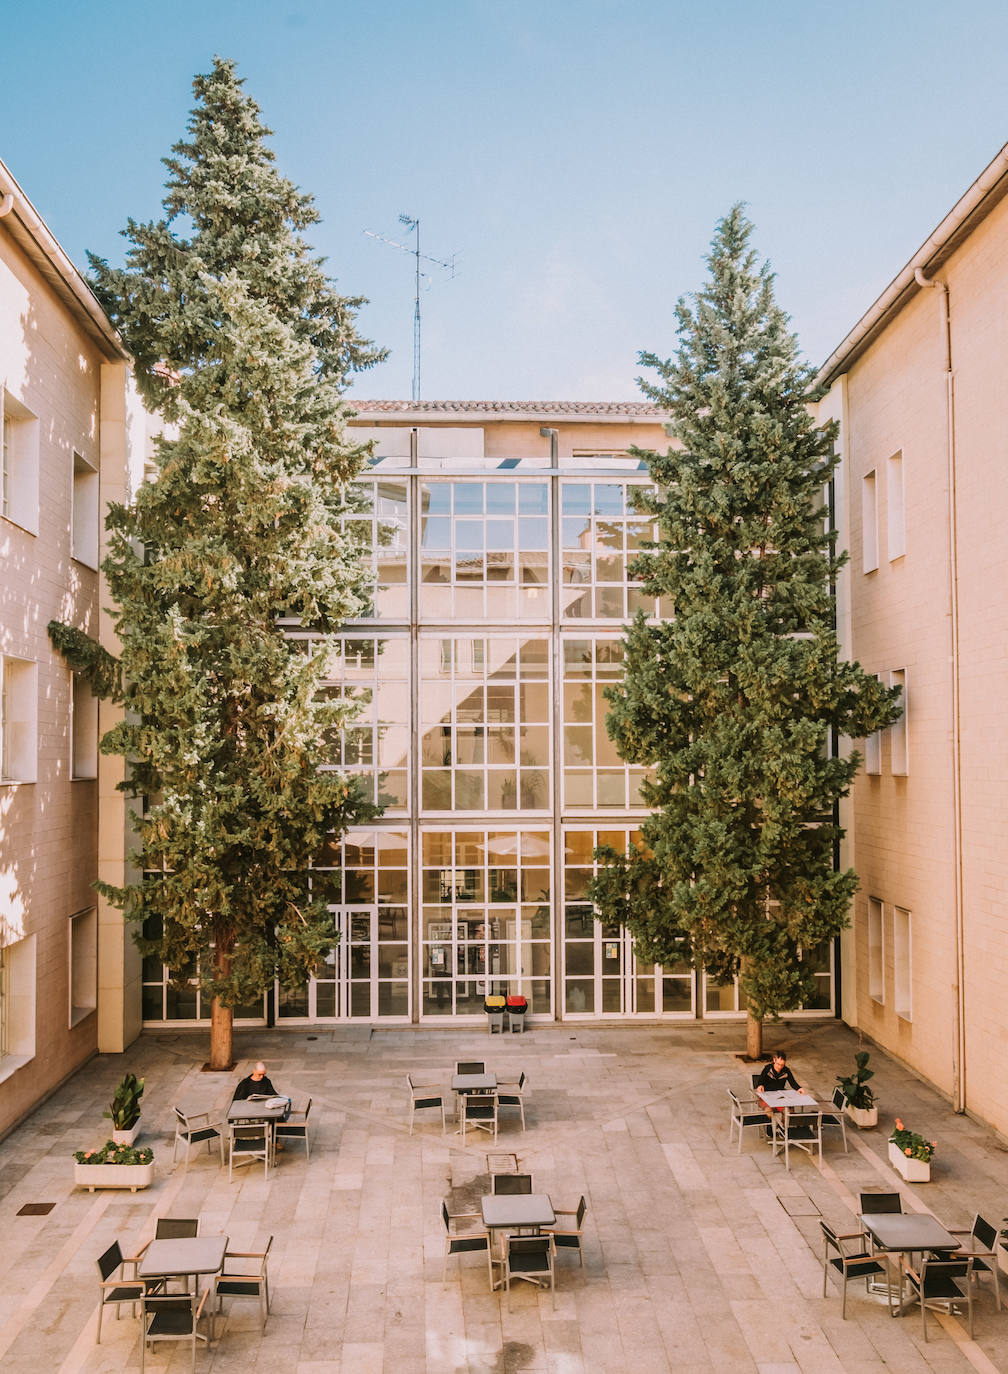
(692, 1261)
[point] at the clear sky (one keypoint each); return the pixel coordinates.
(575, 156)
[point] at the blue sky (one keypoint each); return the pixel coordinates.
(575, 156)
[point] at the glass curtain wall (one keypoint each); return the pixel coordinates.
(501, 590)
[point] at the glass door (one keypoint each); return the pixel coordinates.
(363, 976)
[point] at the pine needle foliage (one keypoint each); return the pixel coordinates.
(243, 347)
(736, 701)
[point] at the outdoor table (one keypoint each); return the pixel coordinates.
(906, 1233)
(181, 1256)
(471, 1083)
(788, 1100)
(515, 1212)
(252, 1109)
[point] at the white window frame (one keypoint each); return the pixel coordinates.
(899, 742)
(83, 729)
(869, 523)
(895, 507)
(19, 468)
(902, 963)
(85, 512)
(873, 752)
(876, 950)
(17, 1005)
(82, 953)
(18, 720)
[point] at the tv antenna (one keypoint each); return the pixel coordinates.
(412, 226)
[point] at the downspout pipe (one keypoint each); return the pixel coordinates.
(959, 1080)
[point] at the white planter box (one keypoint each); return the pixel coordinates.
(912, 1170)
(127, 1137)
(131, 1176)
(863, 1117)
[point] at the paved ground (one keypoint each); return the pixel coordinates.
(696, 1258)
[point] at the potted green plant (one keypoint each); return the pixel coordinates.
(114, 1166)
(858, 1097)
(124, 1109)
(910, 1154)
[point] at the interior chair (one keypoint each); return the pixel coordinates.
(173, 1317)
(296, 1127)
(982, 1246)
(568, 1236)
(192, 1128)
(530, 1258)
(478, 1111)
(511, 1183)
(464, 1234)
(835, 1118)
(743, 1114)
(249, 1141)
(116, 1284)
(423, 1095)
(944, 1285)
(248, 1280)
(511, 1093)
(802, 1131)
(856, 1263)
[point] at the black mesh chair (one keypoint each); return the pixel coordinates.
(743, 1114)
(944, 1285)
(478, 1111)
(530, 1258)
(982, 1246)
(568, 1236)
(856, 1263)
(173, 1228)
(835, 1118)
(470, 1066)
(173, 1317)
(116, 1284)
(244, 1276)
(465, 1234)
(296, 1127)
(511, 1184)
(511, 1093)
(422, 1095)
(193, 1128)
(881, 1202)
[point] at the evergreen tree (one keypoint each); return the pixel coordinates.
(243, 347)
(735, 703)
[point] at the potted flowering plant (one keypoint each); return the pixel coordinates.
(124, 1109)
(910, 1154)
(114, 1166)
(859, 1098)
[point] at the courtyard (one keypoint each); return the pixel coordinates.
(696, 1257)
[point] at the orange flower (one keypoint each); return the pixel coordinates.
(908, 1151)
(899, 1124)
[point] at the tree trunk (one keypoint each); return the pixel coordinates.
(754, 1036)
(220, 1035)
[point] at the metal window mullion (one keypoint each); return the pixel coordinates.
(414, 887)
(556, 755)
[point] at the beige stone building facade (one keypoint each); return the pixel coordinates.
(72, 439)
(918, 391)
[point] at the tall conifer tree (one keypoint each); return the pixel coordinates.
(736, 701)
(243, 347)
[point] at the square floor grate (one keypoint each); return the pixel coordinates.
(36, 1209)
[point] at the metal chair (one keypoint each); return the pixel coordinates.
(511, 1184)
(478, 1110)
(881, 1202)
(470, 1066)
(859, 1264)
(116, 1286)
(802, 1132)
(740, 1116)
(424, 1095)
(249, 1281)
(982, 1246)
(937, 1286)
(835, 1119)
(462, 1238)
(530, 1258)
(192, 1128)
(249, 1141)
(295, 1127)
(569, 1237)
(172, 1317)
(172, 1228)
(511, 1093)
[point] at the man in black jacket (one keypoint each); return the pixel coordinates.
(775, 1078)
(255, 1085)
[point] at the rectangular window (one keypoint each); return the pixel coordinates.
(594, 774)
(375, 743)
(876, 951)
(18, 720)
(17, 1005)
(895, 507)
(19, 442)
(83, 730)
(83, 964)
(601, 535)
(899, 749)
(85, 516)
(869, 523)
(873, 753)
(902, 963)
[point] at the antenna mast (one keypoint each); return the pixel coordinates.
(413, 226)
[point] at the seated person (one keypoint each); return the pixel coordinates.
(775, 1078)
(255, 1085)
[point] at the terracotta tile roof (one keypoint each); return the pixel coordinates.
(586, 409)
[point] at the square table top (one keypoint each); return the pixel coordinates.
(787, 1097)
(501, 1210)
(908, 1231)
(473, 1082)
(183, 1255)
(261, 1109)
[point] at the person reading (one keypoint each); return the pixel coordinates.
(256, 1084)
